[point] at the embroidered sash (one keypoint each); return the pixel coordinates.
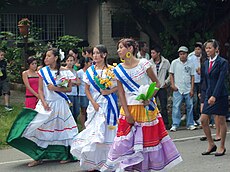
(112, 107)
(48, 78)
(130, 84)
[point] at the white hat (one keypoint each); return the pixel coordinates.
(183, 48)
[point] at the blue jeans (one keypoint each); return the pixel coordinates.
(176, 114)
(75, 109)
(196, 102)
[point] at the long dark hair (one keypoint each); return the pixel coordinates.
(102, 49)
(58, 62)
(83, 61)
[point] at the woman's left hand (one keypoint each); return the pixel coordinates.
(146, 102)
(211, 100)
(51, 87)
(104, 92)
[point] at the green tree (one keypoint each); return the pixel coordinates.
(170, 23)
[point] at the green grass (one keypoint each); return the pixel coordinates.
(6, 121)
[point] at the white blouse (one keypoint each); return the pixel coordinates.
(139, 75)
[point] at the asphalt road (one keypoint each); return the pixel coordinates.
(187, 142)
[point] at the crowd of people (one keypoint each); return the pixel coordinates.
(118, 132)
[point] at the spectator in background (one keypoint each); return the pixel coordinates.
(182, 83)
(195, 59)
(85, 63)
(4, 83)
(87, 52)
(161, 69)
(75, 54)
(30, 79)
(143, 50)
(73, 95)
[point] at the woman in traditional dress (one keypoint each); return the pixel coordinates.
(48, 131)
(142, 142)
(91, 146)
(30, 79)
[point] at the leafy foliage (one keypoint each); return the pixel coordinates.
(15, 55)
(68, 42)
(59, 4)
(171, 23)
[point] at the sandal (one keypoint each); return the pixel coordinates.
(203, 138)
(34, 163)
(216, 140)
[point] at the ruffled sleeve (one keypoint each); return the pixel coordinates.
(145, 64)
(68, 74)
(85, 79)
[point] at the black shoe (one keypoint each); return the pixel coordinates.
(216, 140)
(203, 138)
(209, 152)
(220, 154)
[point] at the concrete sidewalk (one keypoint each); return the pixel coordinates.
(188, 143)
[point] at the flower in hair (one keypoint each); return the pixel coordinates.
(62, 54)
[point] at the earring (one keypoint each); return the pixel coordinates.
(122, 60)
(128, 55)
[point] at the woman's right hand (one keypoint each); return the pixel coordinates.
(129, 119)
(174, 88)
(96, 106)
(46, 106)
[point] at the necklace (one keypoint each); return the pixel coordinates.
(101, 69)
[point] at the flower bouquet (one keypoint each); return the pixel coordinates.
(145, 93)
(62, 82)
(105, 83)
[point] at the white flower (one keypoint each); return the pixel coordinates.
(143, 89)
(62, 54)
(62, 82)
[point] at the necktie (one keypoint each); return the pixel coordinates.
(210, 66)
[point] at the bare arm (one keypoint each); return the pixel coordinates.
(174, 88)
(106, 91)
(27, 84)
(153, 78)
(61, 89)
(90, 97)
(41, 94)
(192, 86)
(77, 81)
(167, 81)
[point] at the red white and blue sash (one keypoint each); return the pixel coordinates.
(130, 84)
(112, 107)
(48, 78)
